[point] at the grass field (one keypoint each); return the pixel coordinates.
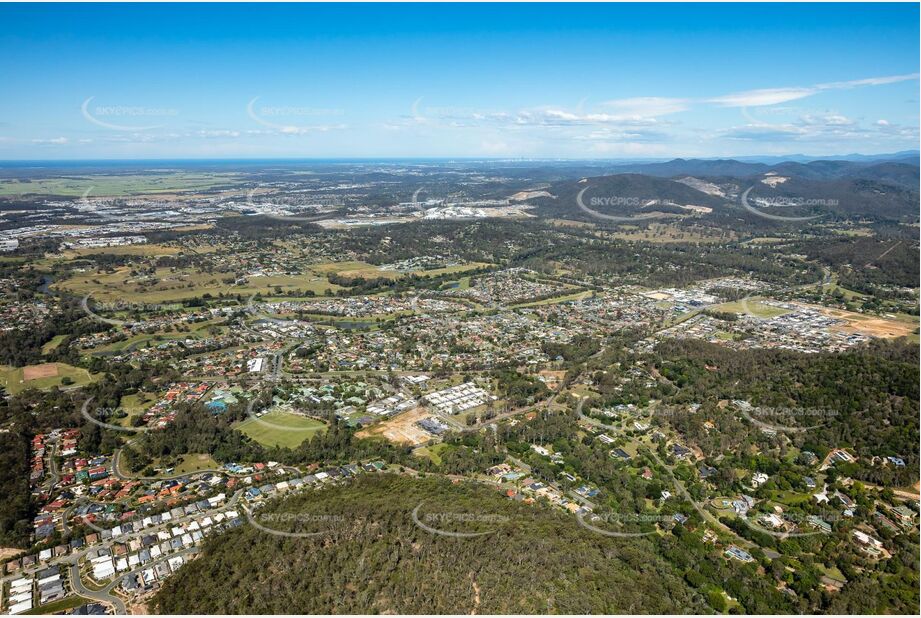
(120, 185)
(668, 233)
(142, 250)
(557, 299)
(353, 270)
(53, 344)
(135, 405)
(280, 428)
(197, 331)
(43, 377)
(755, 308)
(167, 285)
(193, 462)
(432, 452)
(900, 326)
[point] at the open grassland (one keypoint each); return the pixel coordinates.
(194, 462)
(280, 428)
(116, 185)
(666, 233)
(145, 340)
(43, 377)
(142, 250)
(873, 325)
(433, 452)
(751, 306)
(170, 285)
(582, 295)
(354, 270)
(53, 344)
(134, 405)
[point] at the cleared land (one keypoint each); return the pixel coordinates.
(120, 185)
(280, 428)
(53, 344)
(753, 307)
(140, 249)
(353, 270)
(43, 377)
(401, 429)
(664, 233)
(870, 324)
(166, 284)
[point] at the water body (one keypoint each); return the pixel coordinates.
(44, 288)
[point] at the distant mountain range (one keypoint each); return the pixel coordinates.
(902, 171)
(886, 189)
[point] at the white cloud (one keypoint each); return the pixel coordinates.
(765, 96)
(773, 96)
(218, 133)
(52, 141)
(871, 81)
(647, 107)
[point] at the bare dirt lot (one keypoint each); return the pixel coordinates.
(401, 429)
(34, 372)
(870, 325)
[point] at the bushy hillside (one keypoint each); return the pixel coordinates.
(375, 559)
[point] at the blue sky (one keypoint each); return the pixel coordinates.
(512, 80)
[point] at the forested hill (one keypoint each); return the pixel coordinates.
(375, 559)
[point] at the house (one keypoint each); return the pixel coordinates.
(679, 451)
(759, 479)
(772, 520)
(867, 543)
(903, 515)
(819, 524)
(621, 454)
(707, 471)
(845, 500)
(738, 554)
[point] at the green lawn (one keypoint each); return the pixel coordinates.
(757, 309)
(53, 344)
(12, 378)
(191, 462)
(280, 428)
(432, 452)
